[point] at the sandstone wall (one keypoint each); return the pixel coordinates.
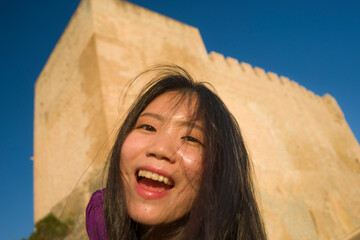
(306, 159)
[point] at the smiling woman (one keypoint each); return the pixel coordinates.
(178, 169)
(161, 161)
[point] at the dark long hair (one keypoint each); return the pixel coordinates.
(225, 207)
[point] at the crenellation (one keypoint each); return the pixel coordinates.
(332, 104)
(295, 85)
(299, 88)
(233, 62)
(234, 68)
(217, 58)
(273, 76)
(284, 80)
(303, 90)
(246, 67)
(311, 94)
(260, 73)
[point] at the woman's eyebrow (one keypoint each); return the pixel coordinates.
(153, 115)
(191, 124)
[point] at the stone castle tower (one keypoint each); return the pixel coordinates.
(306, 158)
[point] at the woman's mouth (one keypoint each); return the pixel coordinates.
(154, 177)
(151, 185)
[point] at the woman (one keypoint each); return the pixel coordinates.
(179, 169)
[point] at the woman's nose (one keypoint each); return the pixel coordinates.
(162, 147)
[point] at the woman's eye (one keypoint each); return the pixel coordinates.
(191, 139)
(147, 127)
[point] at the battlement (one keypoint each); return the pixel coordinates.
(231, 66)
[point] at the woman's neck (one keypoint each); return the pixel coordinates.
(169, 231)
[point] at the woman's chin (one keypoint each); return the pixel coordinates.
(149, 221)
(155, 212)
(146, 215)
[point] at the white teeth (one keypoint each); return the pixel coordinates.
(154, 176)
(148, 174)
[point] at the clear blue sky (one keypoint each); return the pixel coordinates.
(316, 43)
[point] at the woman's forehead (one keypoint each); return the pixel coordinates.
(183, 104)
(177, 106)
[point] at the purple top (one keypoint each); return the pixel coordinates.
(95, 221)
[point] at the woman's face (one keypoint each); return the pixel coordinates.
(161, 161)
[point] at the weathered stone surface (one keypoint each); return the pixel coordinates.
(306, 159)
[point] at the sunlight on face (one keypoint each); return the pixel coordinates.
(161, 160)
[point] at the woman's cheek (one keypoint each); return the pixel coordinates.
(133, 143)
(130, 149)
(192, 161)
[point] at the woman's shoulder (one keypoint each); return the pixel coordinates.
(97, 197)
(95, 204)
(95, 220)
